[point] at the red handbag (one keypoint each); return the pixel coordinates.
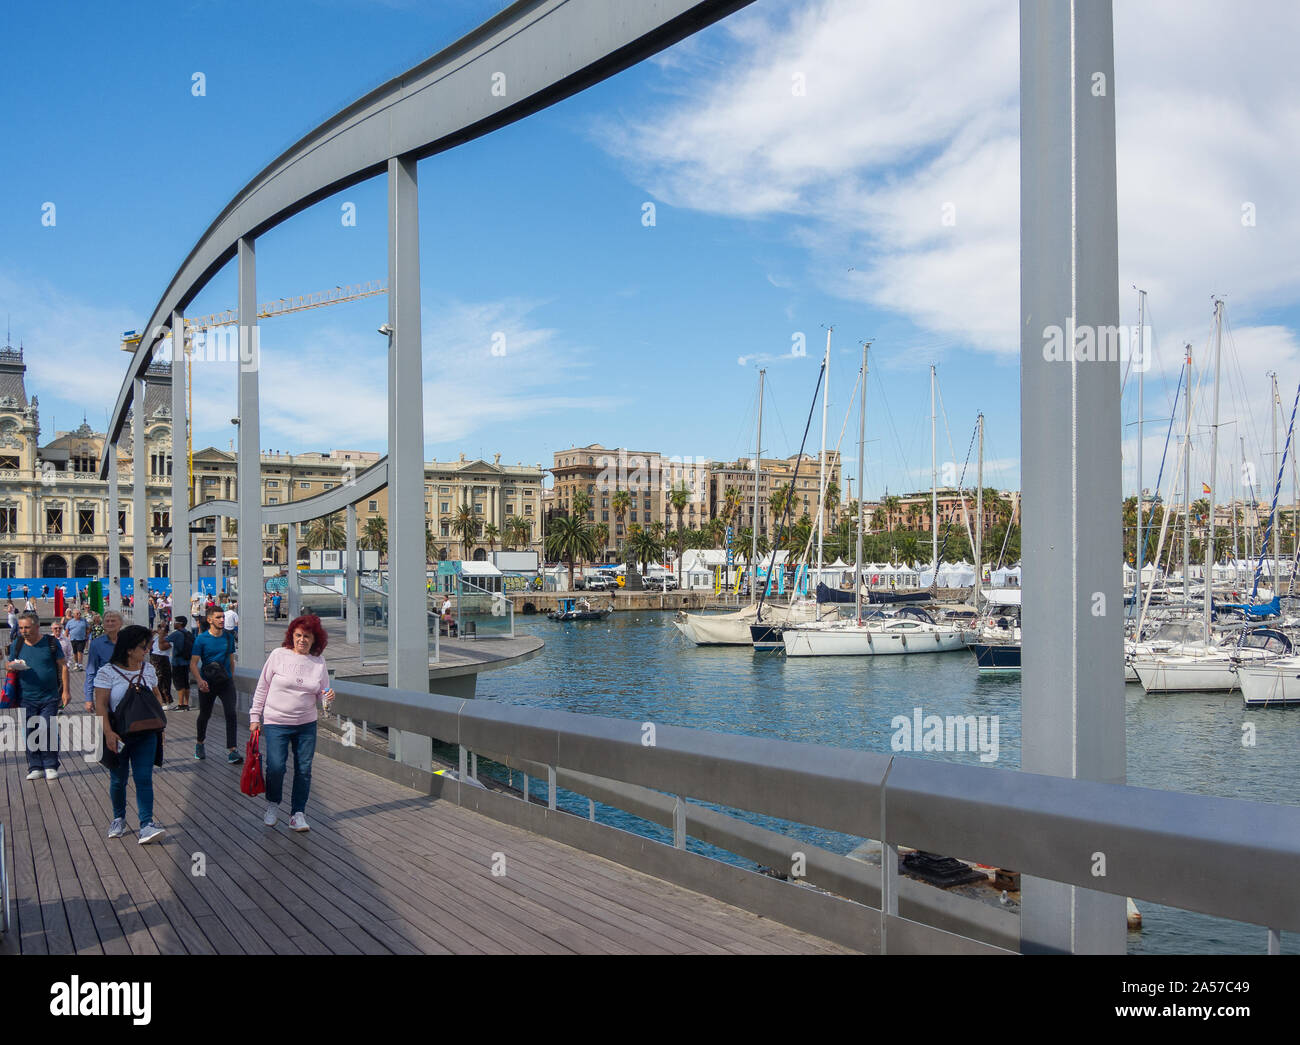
(251, 782)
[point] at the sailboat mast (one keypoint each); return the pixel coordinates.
(1187, 486)
(979, 516)
(1273, 409)
(862, 444)
(1137, 540)
(934, 482)
(1214, 462)
(821, 482)
(758, 456)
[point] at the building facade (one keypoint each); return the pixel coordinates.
(775, 474)
(53, 506)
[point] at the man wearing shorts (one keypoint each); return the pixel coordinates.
(77, 635)
(182, 643)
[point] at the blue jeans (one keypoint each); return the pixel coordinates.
(42, 751)
(136, 756)
(278, 741)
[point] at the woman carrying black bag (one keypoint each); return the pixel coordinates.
(127, 747)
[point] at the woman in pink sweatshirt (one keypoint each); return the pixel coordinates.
(284, 708)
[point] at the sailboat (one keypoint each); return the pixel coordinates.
(733, 629)
(911, 631)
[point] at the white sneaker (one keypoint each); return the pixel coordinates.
(36, 774)
(149, 832)
(268, 818)
(118, 828)
(51, 774)
(298, 822)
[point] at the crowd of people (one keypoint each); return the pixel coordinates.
(122, 664)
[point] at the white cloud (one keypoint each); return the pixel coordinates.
(902, 157)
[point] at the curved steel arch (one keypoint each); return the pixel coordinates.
(547, 50)
(370, 481)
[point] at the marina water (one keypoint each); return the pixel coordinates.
(635, 666)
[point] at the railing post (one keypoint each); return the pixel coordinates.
(464, 762)
(550, 787)
(1275, 941)
(525, 787)
(679, 822)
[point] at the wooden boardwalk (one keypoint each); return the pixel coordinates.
(383, 870)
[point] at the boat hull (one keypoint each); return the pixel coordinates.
(863, 642)
(1268, 686)
(1175, 676)
(993, 656)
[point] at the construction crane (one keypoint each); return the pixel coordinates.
(281, 307)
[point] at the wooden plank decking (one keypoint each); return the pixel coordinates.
(383, 870)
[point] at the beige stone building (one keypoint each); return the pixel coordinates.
(493, 492)
(773, 474)
(53, 506)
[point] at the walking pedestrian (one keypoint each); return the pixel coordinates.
(212, 664)
(61, 637)
(232, 621)
(77, 634)
(276, 603)
(181, 642)
(137, 753)
(13, 622)
(196, 607)
(160, 658)
(100, 652)
(44, 673)
(293, 679)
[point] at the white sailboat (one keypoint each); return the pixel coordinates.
(912, 631)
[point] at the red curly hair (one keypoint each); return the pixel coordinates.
(311, 623)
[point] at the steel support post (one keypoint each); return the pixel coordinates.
(248, 483)
(295, 588)
(114, 596)
(218, 570)
(139, 507)
(1072, 678)
(351, 599)
(408, 633)
(178, 567)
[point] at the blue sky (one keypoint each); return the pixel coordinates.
(776, 213)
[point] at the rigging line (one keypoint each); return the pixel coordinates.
(821, 498)
(1163, 457)
(789, 501)
(1007, 537)
(1272, 512)
(961, 492)
(889, 416)
(948, 528)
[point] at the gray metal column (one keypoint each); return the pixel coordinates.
(217, 568)
(178, 568)
(408, 634)
(195, 559)
(295, 590)
(252, 626)
(350, 598)
(114, 596)
(1072, 679)
(139, 506)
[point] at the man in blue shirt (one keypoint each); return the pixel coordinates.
(100, 652)
(78, 631)
(212, 663)
(181, 641)
(45, 689)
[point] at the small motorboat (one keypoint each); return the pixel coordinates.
(579, 609)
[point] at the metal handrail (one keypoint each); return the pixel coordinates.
(1219, 856)
(4, 885)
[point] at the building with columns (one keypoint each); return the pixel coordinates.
(54, 513)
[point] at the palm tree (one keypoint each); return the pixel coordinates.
(465, 526)
(571, 539)
(430, 547)
(283, 541)
(602, 536)
(778, 499)
(644, 546)
(914, 513)
(581, 504)
(891, 503)
(491, 533)
(374, 538)
(679, 497)
(326, 532)
(620, 502)
(832, 500)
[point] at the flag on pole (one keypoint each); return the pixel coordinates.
(1205, 487)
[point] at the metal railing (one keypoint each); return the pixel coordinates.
(372, 633)
(481, 613)
(4, 886)
(1223, 857)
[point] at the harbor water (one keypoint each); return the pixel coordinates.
(637, 666)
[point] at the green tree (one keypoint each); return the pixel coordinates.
(679, 497)
(571, 539)
(465, 526)
(374, 538)
(644, 546)
(491, 534)
(326, 533)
